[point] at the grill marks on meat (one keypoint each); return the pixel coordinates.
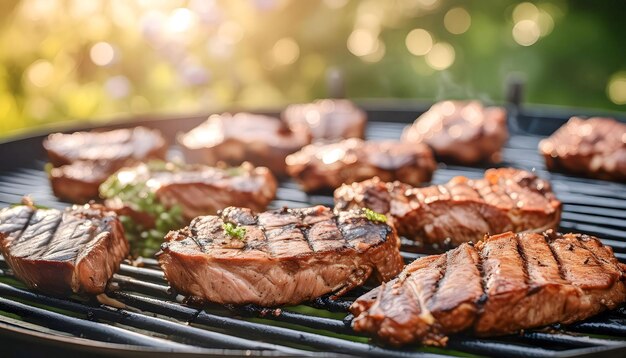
(234, 139)
(60, 252)
(461, 132)
(198, 189)
(320, 166)
(461, 210)
(501, 285)
(286, 256)
(84, 160)
(327, 119)
(595, 147)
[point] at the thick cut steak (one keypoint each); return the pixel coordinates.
(461, 210)
(198, 189)
(234, 139)
(83, 160)
(60, 252)
(594, 147)
(327, 119)
(327, 166)
(461, 132)
(501, 285)
(284, 257)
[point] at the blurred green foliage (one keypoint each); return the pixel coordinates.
(63, 60)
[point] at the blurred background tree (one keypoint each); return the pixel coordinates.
(64, 60)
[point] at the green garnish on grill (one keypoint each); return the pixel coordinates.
(136, 195)
(234, 231)
(373, 216)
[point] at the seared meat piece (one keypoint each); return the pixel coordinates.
(501, 285)
(461, 210)
(113, 146)
(197, 189)
(319, 166)
(327, 119)
(234, 139)
(280, 257)
(60, 252)
(78, 182)
(83, 160)
(461, 132)
(594, 147)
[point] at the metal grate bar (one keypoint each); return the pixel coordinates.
(198, 337)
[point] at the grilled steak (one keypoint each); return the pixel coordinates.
(78, 182)
(461, 132)
(461, 210)
(197, 189)
(60, 252)
(319, 166)
(327, 119)
(113, 146)
(501, 285)
(595, 147)
(83, 160)
(234, 139)
(282, 257)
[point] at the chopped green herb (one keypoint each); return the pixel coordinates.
(234, 171)
(236, 232)
(371, 215)
(48, 168)
(139, 197)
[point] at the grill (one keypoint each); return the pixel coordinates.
(144, 317)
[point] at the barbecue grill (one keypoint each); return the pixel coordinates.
(144, 317)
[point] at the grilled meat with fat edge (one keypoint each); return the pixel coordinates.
(461, 210)
(156, 197)
(234, 139)
(327, 119)
(76, 250)
(594, 147)
(279, 257)
(327, 166)
(461, 132)
(81, 161)
(501, 285)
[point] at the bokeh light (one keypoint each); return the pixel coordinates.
(285, 51)
(441, 56)
(526, 32)
(616, 88)
(102, 53)
(457, 20)
(40, 73)
(362, 42)
(419, 42)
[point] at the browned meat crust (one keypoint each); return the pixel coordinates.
(287, 256)
(113, 146)
(594, 147)
(60, 252)
(84, 160)
(461, 210)
(78, 182)
(234, 139)
(199, 189)
(320, 166)
(327, 119)
(501, 285)
(461, 132)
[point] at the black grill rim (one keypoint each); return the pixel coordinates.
(26, 153)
